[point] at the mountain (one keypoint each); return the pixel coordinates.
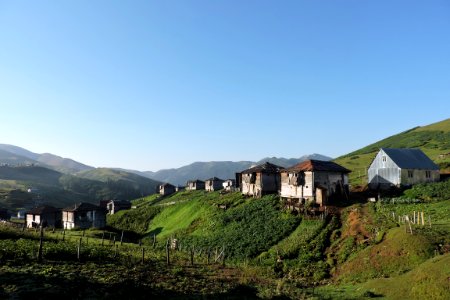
(64, 165)
(123, 178)
(287, 162)
(220, 169)
(15, 159)
(433, 140)
(13, 155)
(58, 189)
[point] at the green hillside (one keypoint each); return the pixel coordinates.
(434, 140)
(54, 188)
(119, 179)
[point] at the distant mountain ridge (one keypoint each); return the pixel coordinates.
(221, 169)
(14, 155)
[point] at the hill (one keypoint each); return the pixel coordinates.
(13, 155)
(58, 189)
(128, 180)
(434, 140)
(220, 169)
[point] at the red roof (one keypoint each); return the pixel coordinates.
(317, 165)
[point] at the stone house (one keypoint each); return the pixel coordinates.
(260, 180)
(83, 215)
(114, 206)
(229, 185)
(167, 189)
(213, 184)
(314, 180)
(46, 215)
(196, 184)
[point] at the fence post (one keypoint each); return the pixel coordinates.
(79, 249)
(64, 235)
(41, 240)
(121, 239)
(167, 252)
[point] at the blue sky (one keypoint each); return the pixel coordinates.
(159, 84)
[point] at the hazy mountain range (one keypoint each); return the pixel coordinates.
(221, 169)
(13, 155)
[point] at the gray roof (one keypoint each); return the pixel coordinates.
(410, 158)
(266, 168)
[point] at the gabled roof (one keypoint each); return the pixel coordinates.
(166, 184)
(44, 209)
(266, 167)
(317, 165)
(83, 206)
(410, 158)
(196, 181)
(214, 179)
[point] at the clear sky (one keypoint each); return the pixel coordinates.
(159, 84)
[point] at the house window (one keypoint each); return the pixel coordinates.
(384, 158)
(410, 174)
(428, 174)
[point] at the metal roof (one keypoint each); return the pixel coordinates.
(166, 184)
(266, 167)
(45, 209)
(317, 165)
(195, 181)
(214, 179)
(410, 158)
(83, 206)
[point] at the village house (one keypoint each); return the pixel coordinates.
(21, 213)
(192, 185)
(260, 180)
(43, 215)
(313, 180)
(213, 184)
(229, 185)
(401, 167)
(114, 206)
(83, 215)
(167, 189)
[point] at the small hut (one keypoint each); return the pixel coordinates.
(213, 184)
(196, 184)
(260, 180)
(167, 189)
(84, 215)
(44, 215)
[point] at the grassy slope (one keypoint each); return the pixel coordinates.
(428, 281)
(433, 139)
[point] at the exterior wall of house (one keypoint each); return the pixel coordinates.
(383, 171)
(258, 184)
(410, 177)
(68, 219)
(192, 186)
(213, 185)
(84, 219)
(167, 190)
(30, 219)
(228, 185)
(305, 185)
